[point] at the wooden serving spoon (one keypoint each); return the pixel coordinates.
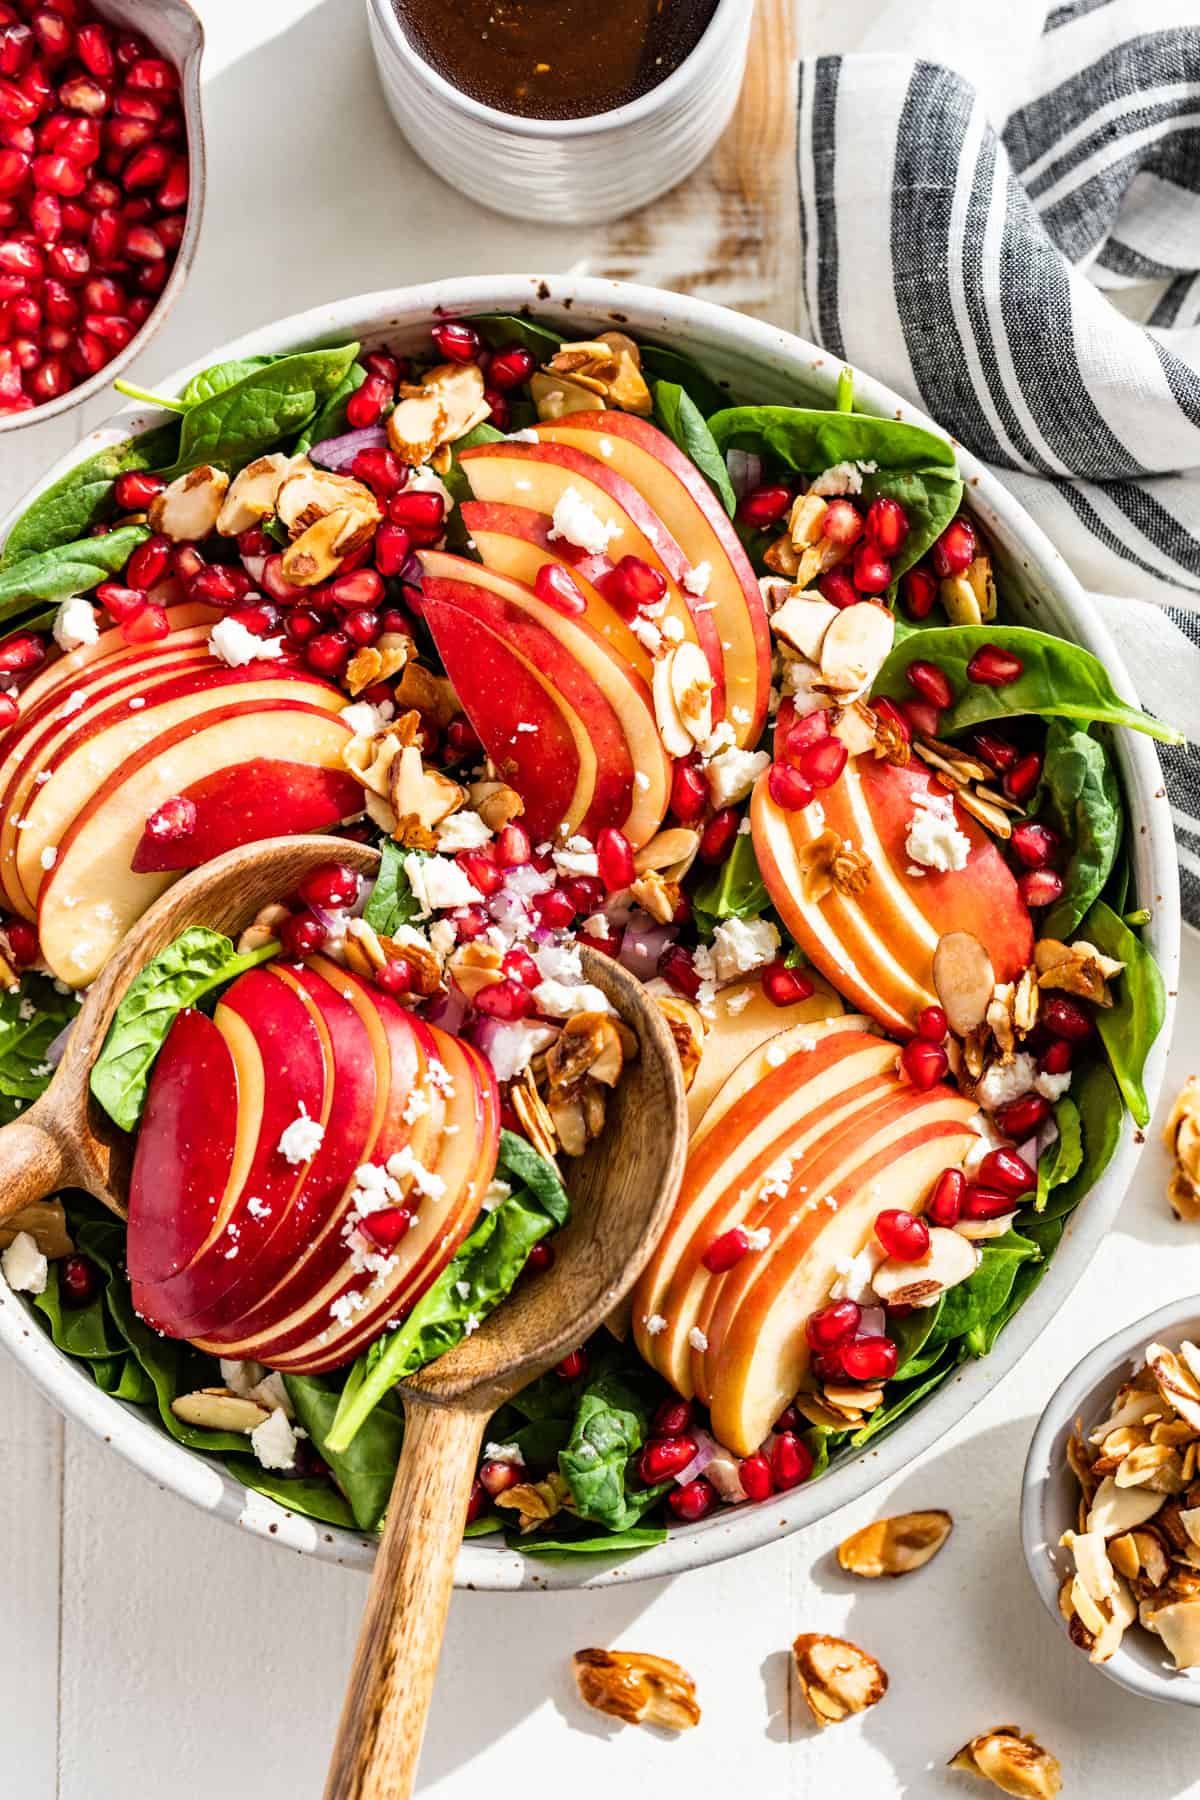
(622, 1191)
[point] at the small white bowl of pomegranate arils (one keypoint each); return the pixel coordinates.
(101, 176)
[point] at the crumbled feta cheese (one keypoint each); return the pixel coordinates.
(581, 525)
(856, 1274)
(511, 1048)
(697, 1339)
(365, 719)
(1003, 1082)
(438, 883)
(737, 1003)
(274, 1442)
(463, 830)
(442, 938)
(1053, 1087)
(843, 478)
(647, 634)
(722, 737)
(497, 1193)
(740, 945)
(595, 926)
(655, 1324)
(577, 857)
(345, 1306)
(241, 1377)
(471, 1325)
(560, 999)
(403, 1165)
(49, 856)
(75, 623)
(232, 643)
(934, 838)
(504, 1453)
(672, 630)
(258, 1209)
(559, 962)
(427, 481)
(777, 1179)
(25, 1268)
(733, 773)
(696, 580)
(758, 1240)
(271, 1392)
(301, 1139)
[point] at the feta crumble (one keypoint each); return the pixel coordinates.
(75, 624)
(732, 774)
(301, 1139)
(740, 945)
(1003, 1082)
(463, 830)
(697, 1339)
(560, 1000)
(655, 1324)
(365, 719)
(577, 857)
(504, 1453)
(581, 525)
(438, 883)
(25, 1268)
(934, 839)
(274, 1442)
(842, 478)
(49, 856)
(696, 580)
(497, 1193)
(233, 644)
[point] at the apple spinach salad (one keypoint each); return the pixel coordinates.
(595, 658)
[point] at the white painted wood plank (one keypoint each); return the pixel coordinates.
(31, 1462)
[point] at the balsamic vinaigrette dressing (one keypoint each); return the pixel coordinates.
(555, 59)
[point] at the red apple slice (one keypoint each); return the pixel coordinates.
(561, 677)
(62, 671)
(539, 475)
(695, 518)
(91, 895)
(739, 1035)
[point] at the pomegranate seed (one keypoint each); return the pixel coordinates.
(14, 170)
(62, 308)
(1040, 887)
(694, 1501)
(121, 602)
(890, 713)
(521, 967)
(152, 277)
(497, 1477)
(1057, 1057)
(381, 470)
(380, 362)
(918, 591)
(869, 1359)
(53, 34)
(540, 1258)
(1018, 1118)
(456, 342)
(725, 1251)
(513, 848)
(9, 710)
(791, 1461)
(329, 653)
(672, 1418)
(301, 935)
(134, 490)
(362, 588)
(833, 1324)
(872, 572)
(614, 853)
(149, 563)
(100, 194)
(146, 168)
(331, 885)
(996, 751)
(554, 909)
(16, 49)
(716, 840)
(271, 580)
(689, 793)
(477, 1502)
(82, 94)
(675, 965)
(764, 506)
(70, 262)
(1005, 1170)
(925, 1064)
(786, 987)
(365, 406)
(985, 1203)
(931, 683)
(106, 234)
(1061, 1015)
(822, 763)
(51, 379)
(955, 550)
(922, 717)
(993, 667)
(903, 1235)
(393, 546)
(421, 513)
(480, 871)
(18, 258)
(144, 244)
(21, 653)
(396, 976)
(387, 1226)
(633, 586)
(94, 49)
(511, 368)
(573, 1366)
(129, 105)
(140, 309)
(462, 738)
(887, 525)
(932, 1025)
(152, 73)
(16, 108)
(219, 585)
(556, 587)
(788, 787)
(146, 626)
(172, 196)
(174, 821)
(1034, 844)
(754, 1473)
(945, 1202)
(790, 1419)
(842, 523)
(78, 1280)
(837, 587)
(362, 626)
(500, 412)
(60, 175)
(585, 892)
(664, 1457)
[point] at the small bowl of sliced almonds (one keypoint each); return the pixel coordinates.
(1110, 1507)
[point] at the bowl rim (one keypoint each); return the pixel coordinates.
(633, 114)
(1044, 1469)
(657, 313)
(191, 95)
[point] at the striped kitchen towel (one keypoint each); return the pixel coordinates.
(1034, 283)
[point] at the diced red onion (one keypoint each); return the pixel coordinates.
(338, 453)
(448, 1009)
(55, 1048)
(745, 471)
(642, 946)
(412, 571)
(873, 1322)
(706, 1449)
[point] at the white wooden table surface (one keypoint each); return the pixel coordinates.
(146, 1649)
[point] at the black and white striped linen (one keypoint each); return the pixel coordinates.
(1034, 283)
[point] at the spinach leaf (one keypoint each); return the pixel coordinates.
(1101, 1112)
(1059, 680)
(910, 1335)
(82, 497)
(487, 1265)
(659, 364)
(1061, 1162)
(1079, 798)
(392, 902)
(966, 1309)
(198, 961)
(268, 404)
(31, 1017)
(499, 330)
(610, 1425)
(331, 420)
(610, 1543)
(219, 376)
(83, 1331)
(67, 569)
(310, 1495)
(678, 415)
(365, 1470)
(894, 1409)
(1130, 1025)
(812, 440)
(456, 483)
(519, 1159)
(733, 891)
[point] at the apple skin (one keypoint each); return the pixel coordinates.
(184, 1149)
(594, 717)
(538, 475)
(732, 1038)
(232, 806)
(111, 648)
(682, 498)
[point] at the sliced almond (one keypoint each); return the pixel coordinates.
(857, 645)
(895, 1546)
(1014, 1763)
(692, 684)
(318, 552)
(676, 738)
(496, 803)
(1178, 1385)
(252, 494)
(476, 966)
(1178, 1626)
(836, 1677)
(802, 624)
(188, 508)
(949, 1260)
(1115, 1510)
(960, 601)
(555, 396)
(219, 1409)
(677, 844)
(307, 494)
(963, 979)
(638, 1689)
(46, 1223)
(424, 794)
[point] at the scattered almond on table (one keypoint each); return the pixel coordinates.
(895, 1546)
(836, 1677)
(637, 1689)
(1011, 1761)
(1181, 1135)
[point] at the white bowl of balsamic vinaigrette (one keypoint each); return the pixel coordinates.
(561, 111)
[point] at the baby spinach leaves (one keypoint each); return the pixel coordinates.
(392, 902)
(269, 403)
(735, 890)
(219, 376)
(611, 1420)
(82, 497)
(659, 364)
(1097, 1100)
(31, 1017)
(676, 413)
(499, 330)
(331, 421)
(366, 1469)
(1079, 798)
(1061, 1161)
(1058, 679)
(66, 569)
(1130, 1025)
(519, 1160)
(198, 961)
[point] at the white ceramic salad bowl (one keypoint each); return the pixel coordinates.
(758, 362)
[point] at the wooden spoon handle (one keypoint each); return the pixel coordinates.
(391, 1683)
(32, 1164)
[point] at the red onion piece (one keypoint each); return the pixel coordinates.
(873, 1322)
(338, 453)
(745, 471)
(56, 1046)
(706, 1449)
(643, 944)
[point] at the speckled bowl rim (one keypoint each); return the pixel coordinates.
(727, 338)
(1049, 1493)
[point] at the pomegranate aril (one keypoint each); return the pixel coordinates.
(303, 624)
(387, 1226)
(121, 602)
(1018, 1118)
(672, 1418)
(924, 1064)
(1056, 1059)
(554, 909)
(14, 170)
(16, 107)
(805, 731)
(918, 592)
(887, 525)
(462, 739)
(361, 588)
(821, 764)
(1005, 1170)
(381, 470)
(932, 1025)
(693, 1502)
(614, 853)
(499, 410)
(716, 840)
(833, 1324)
(869, 1359)
(633, 586)
(145, 168)
(16, 49)
(329, 653)
(21, 653)
(60, 175)
(889, 713)
(556, 587)
(675, 965)
(945, 1202)
(106, 234)
(954, 551)
(477, 1502)
(365, 406)
(902, 1234)
(921, 717)
(663, 1457)
(301, 935)
(393, 546)
(361, 626)
(724, 1251)
(838, 588)
(689, 793)
(497, 1477)
(93, 46)
(70, 262)
(153, 73)
(151, 278)
(842, 523)
(791, 1461)
(396, 976)
(333, 884)
(421, 513)
(981, 1203)
(146, 626)
(510, 368)
(540, 1258)
(9, 709)
(455, 341)
(573, 1365)
(78, 1280)
(17, 258)
(586, 893)
(513, 848)
(220, 584)
(381, 362)
(53, 34)
(931, 683)
(786, 987)
(520, 966)
(144, 244)
(1040, 887)
(788, 788)
(754, 1473)
(481, 871)
(172, 196)
(872, 572)
(1035, 845)
(1064, 1017)
(764, 506)
(994, 750)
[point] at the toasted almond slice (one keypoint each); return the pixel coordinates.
(836, 1677)
(46, 1223)
(692, 686)
(556, 395)
(802, 624)
(252, 494)
(964, 980)
(677, 740)
(949, 1260)
(1118, 1509)
(188, 508)
(895, 1546)
(1178, 1385)
(675, 845)
(638, 1689)
(219, 1409)
(1178, 1626)
(857, 644)
(960, 601)
(1014, 1763)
